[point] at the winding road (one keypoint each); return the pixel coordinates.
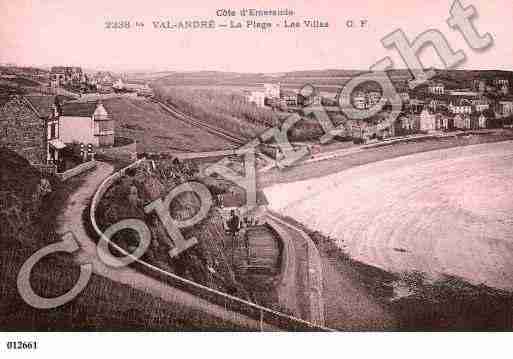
(70, 219)
(440, 212)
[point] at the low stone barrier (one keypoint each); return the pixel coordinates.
(287, 275)
(126, 152)
(314, 280)
(64, 176)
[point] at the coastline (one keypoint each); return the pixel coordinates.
(450, 304)
(409, 300)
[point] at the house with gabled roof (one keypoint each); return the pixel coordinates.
(29, 126)
(86, 122)
(436, 88)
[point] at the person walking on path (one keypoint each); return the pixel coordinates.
(233, 228)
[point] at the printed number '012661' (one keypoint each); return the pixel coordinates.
(117, 24)
(21, 345)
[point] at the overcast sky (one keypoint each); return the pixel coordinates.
(61, 32)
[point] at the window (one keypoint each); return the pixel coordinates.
(53, 132)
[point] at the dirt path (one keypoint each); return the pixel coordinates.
(71, 220)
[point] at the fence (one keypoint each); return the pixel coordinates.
(235, 305)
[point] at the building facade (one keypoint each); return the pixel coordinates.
(257, 97)
(427, 121)
(500, 82)
(62, 75)
(436, 88)
(29, 127)
(483, 121)
(272, 90)
(461, 106)
(86, 122)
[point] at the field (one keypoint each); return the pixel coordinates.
(155, 130)
(327, 81)
(445, 212)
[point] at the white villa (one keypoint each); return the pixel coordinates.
(86, 122)
(427, 121)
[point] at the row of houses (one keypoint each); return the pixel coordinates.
(363, 100)
(438, 109)
(425, 121)
(102, 81)
(429, 121)
(74, 76)
(464, 105)
(39, 127)
(273, 96)
(478, 86)
(60, 75)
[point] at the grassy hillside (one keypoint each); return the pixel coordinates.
(20, 201)
(155, 130)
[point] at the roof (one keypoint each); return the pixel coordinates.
(79, 109)
(100, 111)
(42, 104)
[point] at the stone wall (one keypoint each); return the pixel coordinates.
(124, 150)
(22, 131)
(75, 171)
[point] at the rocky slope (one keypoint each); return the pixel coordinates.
(204, 263)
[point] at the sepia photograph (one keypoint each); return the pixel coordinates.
(255, 166)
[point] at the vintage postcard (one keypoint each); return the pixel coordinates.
(297, 166)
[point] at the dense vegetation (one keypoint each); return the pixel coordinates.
(229, 111)
(205, 263)
(21, 199)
